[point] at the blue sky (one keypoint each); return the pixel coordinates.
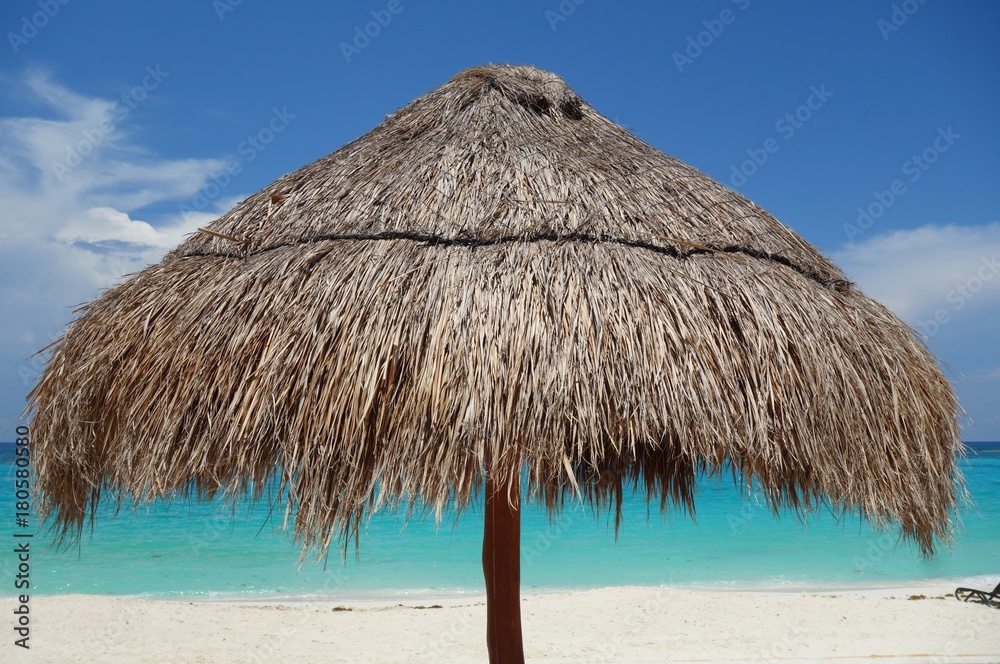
(870, 127)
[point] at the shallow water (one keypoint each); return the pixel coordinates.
(202, 549)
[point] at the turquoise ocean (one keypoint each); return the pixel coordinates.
(209, 550)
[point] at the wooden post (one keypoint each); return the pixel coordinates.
(502, 569)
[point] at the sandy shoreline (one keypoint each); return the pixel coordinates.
(624, 624)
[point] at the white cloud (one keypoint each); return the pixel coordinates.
(104, 224)
(945, 282)
(67, 223)
(920, 272)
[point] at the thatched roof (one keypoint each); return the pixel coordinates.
(497, 267)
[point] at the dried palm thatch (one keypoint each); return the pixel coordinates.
(495, 272)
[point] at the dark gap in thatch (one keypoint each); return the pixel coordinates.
(539, 103)
(839, 285)
(571, 109)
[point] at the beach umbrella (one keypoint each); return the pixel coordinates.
(497, 291)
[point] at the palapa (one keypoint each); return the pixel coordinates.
(497, 280)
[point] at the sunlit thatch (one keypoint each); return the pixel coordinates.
(496, 266)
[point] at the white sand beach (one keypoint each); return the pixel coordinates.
(624, 624)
